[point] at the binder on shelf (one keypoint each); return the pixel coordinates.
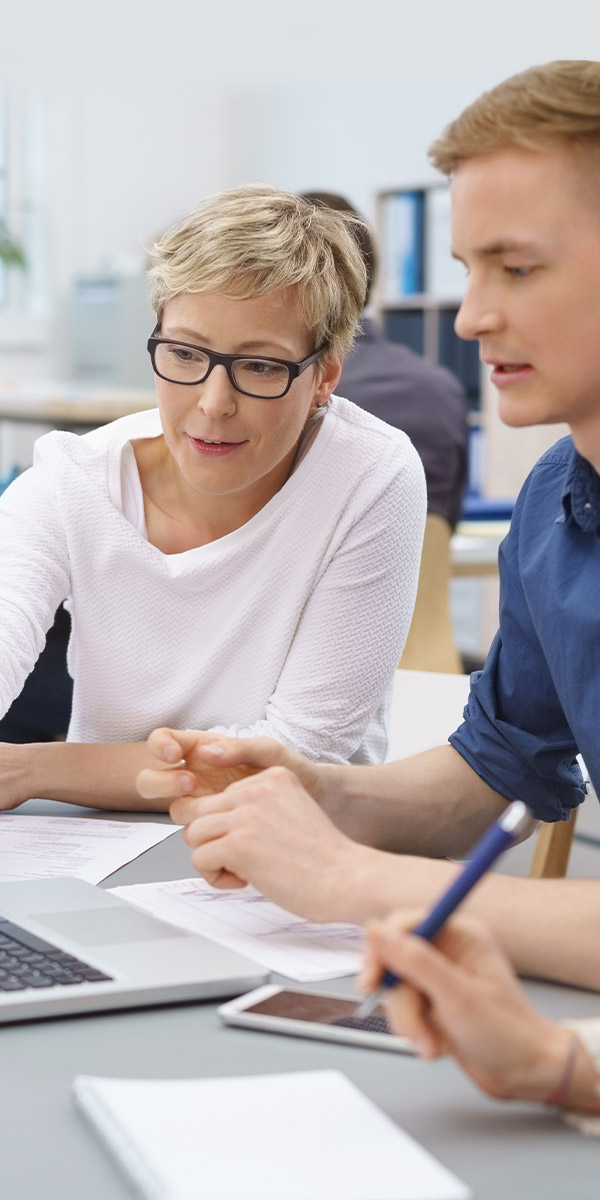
(406, 326)
(402, 240)
(460, 357)
(421, 284)
(444, 275)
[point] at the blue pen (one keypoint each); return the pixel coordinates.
(502, 834)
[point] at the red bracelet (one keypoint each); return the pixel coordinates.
(560, 1092)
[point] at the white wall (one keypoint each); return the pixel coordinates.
(149, 106)
(160, 103)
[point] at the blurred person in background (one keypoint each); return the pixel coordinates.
(406, 390)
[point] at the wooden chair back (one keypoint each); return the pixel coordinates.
(430, 645)
(552, 849)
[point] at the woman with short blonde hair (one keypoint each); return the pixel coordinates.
(244, 558)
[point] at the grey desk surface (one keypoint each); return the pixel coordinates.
(48, 1152)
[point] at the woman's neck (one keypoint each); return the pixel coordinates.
(179, 518)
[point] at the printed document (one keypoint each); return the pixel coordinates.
(302, 1135)
(245, 921)
(42, 847)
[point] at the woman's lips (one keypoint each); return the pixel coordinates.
(213, 449)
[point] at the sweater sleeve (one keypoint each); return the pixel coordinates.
(352, 631)
(34, 577)
(588, 1032)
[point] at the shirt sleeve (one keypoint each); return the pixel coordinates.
(34, 578)
(515, 734)
(350, 636)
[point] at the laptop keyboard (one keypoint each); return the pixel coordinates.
(27, 961)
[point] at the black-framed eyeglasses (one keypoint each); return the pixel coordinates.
(264, 378)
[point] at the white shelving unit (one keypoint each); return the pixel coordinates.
(413, 225)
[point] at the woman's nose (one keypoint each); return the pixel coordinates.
(217, 395)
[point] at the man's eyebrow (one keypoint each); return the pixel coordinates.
(504, 246)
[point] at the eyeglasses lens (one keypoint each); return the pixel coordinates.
(255, 376)
(260, 378)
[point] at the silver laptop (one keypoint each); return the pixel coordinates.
(69, 947)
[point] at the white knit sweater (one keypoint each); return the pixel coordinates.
(290, 626)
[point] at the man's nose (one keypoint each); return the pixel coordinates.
(479, 312)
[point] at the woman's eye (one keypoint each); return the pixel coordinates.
(260, 368)
(519, 272)
(183, 355)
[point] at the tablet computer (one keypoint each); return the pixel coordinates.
(273, 1009)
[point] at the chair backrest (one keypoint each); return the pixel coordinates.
(430, 645)
(553, 848)
(426, 707)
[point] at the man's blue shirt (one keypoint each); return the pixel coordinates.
(536, 704)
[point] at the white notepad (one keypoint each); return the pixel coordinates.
(309, 1135)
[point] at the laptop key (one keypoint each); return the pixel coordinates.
(92, 975)
(26, 961)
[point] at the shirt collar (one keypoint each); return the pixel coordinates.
(581, 495)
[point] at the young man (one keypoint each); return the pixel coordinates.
(524, 163)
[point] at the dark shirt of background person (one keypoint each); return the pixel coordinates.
(406, 390)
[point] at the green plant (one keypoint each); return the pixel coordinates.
(11, 253)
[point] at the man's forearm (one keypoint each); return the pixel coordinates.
(432, 804)
(98, 776)
(546, 926)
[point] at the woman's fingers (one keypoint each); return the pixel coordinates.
(170, 746)
(408, 1010)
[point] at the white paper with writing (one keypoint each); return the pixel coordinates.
(245, 921)
(43, 847)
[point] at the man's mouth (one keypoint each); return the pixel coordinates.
(505, 373)
(506, 368)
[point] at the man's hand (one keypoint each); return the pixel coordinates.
(192, 763)
(266, 830)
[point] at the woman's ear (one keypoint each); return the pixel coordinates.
(329, 370)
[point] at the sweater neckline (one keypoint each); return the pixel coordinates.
(306, 459)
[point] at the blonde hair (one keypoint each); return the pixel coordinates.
(254, 240)
(556, 102)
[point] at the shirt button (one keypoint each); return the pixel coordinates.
(587, 506)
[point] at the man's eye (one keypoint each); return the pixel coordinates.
(519, 272)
